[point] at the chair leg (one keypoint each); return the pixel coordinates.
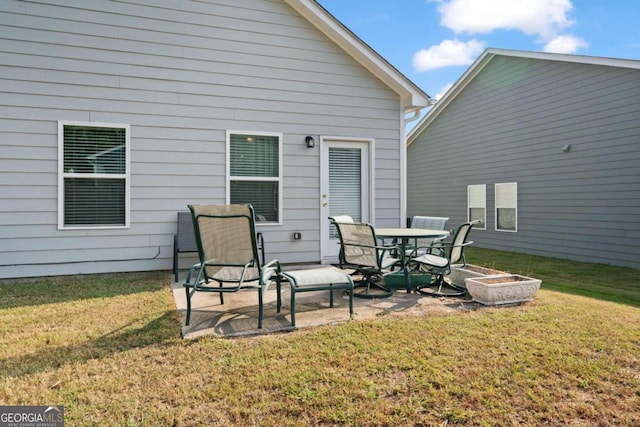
(279, 295)
(350, 301)
(441, 288)
(175, 257)
(369, 282)
(293, 306)
(260, 308)
(330, 296)
(188, 319)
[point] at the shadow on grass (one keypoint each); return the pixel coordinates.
(52, 290)
(160, 331)
(600, 281)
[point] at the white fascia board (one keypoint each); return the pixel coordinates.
(411, 95)
(565, 57)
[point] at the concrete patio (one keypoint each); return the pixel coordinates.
(239, 314)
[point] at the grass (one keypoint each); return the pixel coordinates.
(108, 348)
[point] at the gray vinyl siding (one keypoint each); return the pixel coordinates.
(180, 74)
(510, 124)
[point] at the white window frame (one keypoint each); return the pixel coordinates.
(477, 198)
(62, 174)
(508, 200)
(279, 180)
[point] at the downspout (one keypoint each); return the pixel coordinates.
(414, 115)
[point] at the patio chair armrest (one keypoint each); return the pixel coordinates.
(392, 250)
(382, 248)
(451, 245)
(435, 248)
(445, 245)
(392, 246)
(273, 263)
(187, 281)
(438, 241)
(438, 248)
(270, 270)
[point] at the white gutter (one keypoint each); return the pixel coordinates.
(414, 115)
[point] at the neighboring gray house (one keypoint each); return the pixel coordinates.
(544, 148)
(117, 114)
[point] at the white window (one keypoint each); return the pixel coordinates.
(254, 173)
(93, 172)
(477, 205)
(507, 207)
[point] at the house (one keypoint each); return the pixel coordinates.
(117, 115)
(543, 148)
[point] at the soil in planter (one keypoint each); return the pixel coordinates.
(481, 270)
(502, 279)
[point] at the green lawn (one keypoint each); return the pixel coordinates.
(108, 348)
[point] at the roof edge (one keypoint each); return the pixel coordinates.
(565, 57)
(412, 96)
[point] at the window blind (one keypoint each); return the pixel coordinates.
(94, 150)
(94, 175)
(345, 184)
(477, 203)
(262, 195)
(254, 174)
(506, 206)
(254, 155)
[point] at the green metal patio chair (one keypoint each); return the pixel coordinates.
(438, 260)
(229, 255)
(420, 246)
(360, 251)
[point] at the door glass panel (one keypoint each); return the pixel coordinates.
(345, 184)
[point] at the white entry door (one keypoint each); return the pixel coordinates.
(346, 170)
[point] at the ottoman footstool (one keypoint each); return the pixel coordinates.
(317, 279)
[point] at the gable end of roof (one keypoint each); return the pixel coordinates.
(490, 54)
(412, 96)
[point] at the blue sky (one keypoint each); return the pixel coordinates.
(433, 42)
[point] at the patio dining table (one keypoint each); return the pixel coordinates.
(403, 235)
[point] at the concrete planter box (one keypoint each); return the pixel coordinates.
(470, 271)
(503, 289)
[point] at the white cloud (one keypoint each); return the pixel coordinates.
(446, 54)
(443, 90)
(543, 18)
(565, 43)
